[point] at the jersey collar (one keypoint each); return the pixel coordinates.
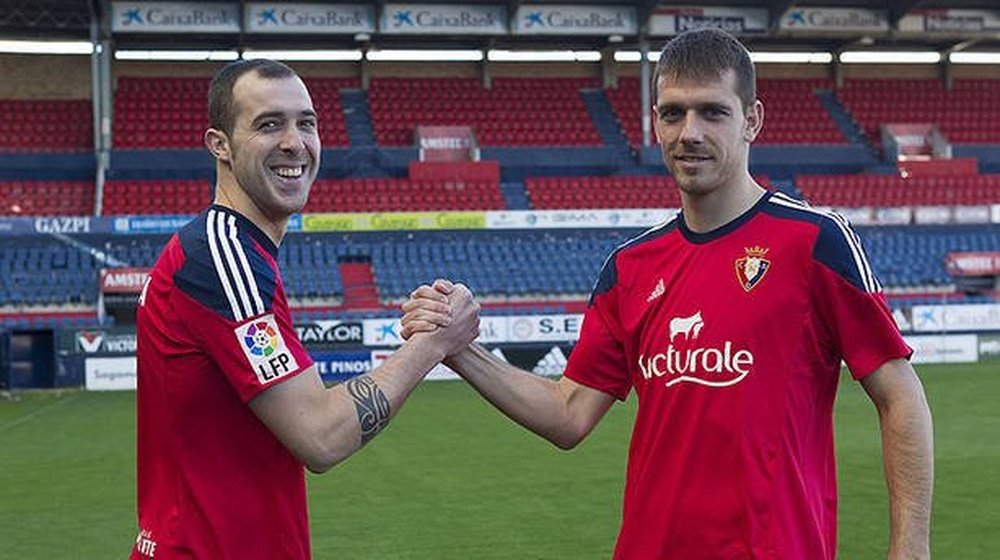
(705, 237)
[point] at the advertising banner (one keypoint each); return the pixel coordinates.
(547, 328)
(932, 214)
(446, 19)
(389, 221)
(280, 17)
(535, 19)
(947, 21)
(861, 216)
(893, 215)
(65, 224)
(493, 329)
(736, 20)
(338, 366)
(901, 316)
(989, 348)
(981, 263)
(545, 360)
(833, 19)
(150, 224)
(574, 219)
(320, 334)
(971, 214)
(175, 17)
(110, 374)
(382, 332)
(952, 318)
(943, 349)
(123, 280)
(446, 143)
(109, 341)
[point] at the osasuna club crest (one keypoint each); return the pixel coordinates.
(751, 268)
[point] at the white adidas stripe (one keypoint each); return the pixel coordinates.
(220, 270)
(247, 271)
(232, 266)
(871, 284)
(235, 272)
(845, 226)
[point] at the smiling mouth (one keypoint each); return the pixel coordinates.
(286, 172)
(692, 158)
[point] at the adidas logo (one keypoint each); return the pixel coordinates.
(552, 364)
(658, 291)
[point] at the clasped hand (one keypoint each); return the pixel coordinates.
(444, 310)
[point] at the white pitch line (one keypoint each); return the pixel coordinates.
(36, 412)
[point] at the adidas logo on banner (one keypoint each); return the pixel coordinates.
(552, 364)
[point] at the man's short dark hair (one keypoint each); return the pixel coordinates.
(221, 108)
(706, 54)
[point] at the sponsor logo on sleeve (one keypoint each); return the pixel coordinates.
(265, 348)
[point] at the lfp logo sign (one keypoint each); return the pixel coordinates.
(261, 339)
(265, 349)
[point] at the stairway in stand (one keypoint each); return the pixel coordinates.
(359, 284)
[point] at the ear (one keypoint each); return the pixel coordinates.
(755, 121)
(218, 144)
(656, 118)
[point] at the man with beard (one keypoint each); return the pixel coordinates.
(730, 322)
(230, 405)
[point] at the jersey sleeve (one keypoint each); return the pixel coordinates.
(850, 304)
(598, 360)
(231, 302)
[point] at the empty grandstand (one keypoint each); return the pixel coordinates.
(542, 168)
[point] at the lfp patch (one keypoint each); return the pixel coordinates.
(264, 348)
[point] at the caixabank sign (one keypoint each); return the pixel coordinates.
(328, 18)
(175, 17)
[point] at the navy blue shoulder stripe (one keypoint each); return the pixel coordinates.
(222, 268)
(609, 271)
(837, 246)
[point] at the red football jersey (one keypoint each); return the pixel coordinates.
(733, 341)
(214, 331)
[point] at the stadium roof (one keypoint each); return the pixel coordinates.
(71, 19)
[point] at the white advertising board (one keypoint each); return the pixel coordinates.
(280, 17)
(175, 17)
(535, 19)
(419, 19)
(951, 318)
(943, 349)
(110, 374)
(673, 20)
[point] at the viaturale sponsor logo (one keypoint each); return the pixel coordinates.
(685, 360)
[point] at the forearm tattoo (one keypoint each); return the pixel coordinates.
(372, 405)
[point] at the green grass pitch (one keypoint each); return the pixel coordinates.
(452, 478)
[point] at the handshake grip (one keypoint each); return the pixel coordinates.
(446, 312)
